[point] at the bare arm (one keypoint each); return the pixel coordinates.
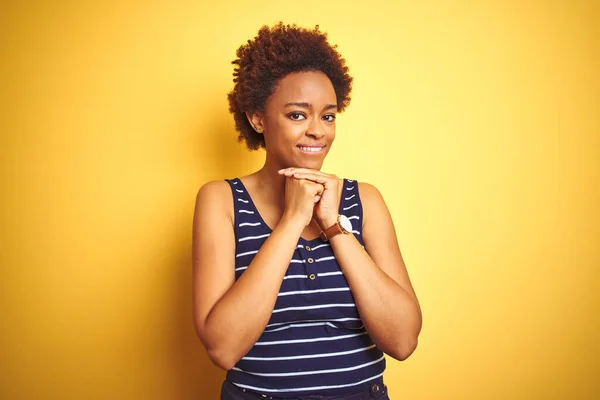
(230, 315)
(378, 279)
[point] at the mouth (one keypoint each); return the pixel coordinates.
(311, 149)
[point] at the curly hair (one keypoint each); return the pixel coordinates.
(274, 53)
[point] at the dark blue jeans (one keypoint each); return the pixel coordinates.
(373, 391)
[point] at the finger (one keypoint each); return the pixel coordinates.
(316, 187)
(293, 170)
(318, 192)
(326, 181)
(290, 169)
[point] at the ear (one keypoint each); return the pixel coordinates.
(256, 119)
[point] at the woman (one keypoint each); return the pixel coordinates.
(299, 284)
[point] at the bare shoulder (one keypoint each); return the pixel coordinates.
(368, 191)
(375, 209)
(218, 188)
(214, 196)
(370, 197)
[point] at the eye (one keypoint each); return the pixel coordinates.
(296, 116)
(329, 117)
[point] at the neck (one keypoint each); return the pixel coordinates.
(270, 183)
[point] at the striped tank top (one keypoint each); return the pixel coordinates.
(315, 342)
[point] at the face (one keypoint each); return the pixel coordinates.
(299, 120)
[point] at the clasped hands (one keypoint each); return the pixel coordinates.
(326, 208)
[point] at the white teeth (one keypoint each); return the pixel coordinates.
(313, 149)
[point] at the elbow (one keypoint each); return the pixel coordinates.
(222, 359)
(217, 354)
(222, 356)
(404, 349)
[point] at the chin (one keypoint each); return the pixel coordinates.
(311, 164)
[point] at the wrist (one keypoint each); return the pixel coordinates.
(341, 225)
(328, 222)
(292, 222)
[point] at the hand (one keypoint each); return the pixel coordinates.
(327, 208)
(300, 198)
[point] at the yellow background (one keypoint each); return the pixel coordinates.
(478, 121)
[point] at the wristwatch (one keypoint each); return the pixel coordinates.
(342, 225)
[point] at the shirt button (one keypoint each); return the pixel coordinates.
(310, 261)
(307, 248)
(375, 388)
(312, 277)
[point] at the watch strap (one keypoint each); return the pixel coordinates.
(332, 231)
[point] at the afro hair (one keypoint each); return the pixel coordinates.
(273, 54)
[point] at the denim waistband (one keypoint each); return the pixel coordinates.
(372, 390)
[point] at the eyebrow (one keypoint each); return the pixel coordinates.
(309, 106)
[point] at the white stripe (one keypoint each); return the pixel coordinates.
(352, 206)
(349, 198)
(320, 371)
(356, 233)
(349, 180)
(321, 245)
(246, 211)
(307, 388)
(325, 258)
(306, 356)
(253, 237)
(250, 224)
(313, 291)
(315, 320)
(300, 246)
(292, 261)
(246, 253)
(241, 268)
(244, 201)
(321, 339)
(330, 273)
(239, 191)
(295, 276)
(314, 307)
(235, 183)
(354, 217)
(350, 188)
(306, 325)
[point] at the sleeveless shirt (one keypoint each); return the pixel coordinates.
(315, 342)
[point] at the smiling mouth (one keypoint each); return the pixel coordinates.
(311, 149)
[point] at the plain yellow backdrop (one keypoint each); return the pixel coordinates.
(477, 120)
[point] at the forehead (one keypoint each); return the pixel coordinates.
(309, 86)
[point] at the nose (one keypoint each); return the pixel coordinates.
(315, 135)
(316, 129)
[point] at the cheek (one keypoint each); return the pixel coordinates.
(290, 131)
(280, 133)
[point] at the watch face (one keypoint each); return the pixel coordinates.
(345, 223)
